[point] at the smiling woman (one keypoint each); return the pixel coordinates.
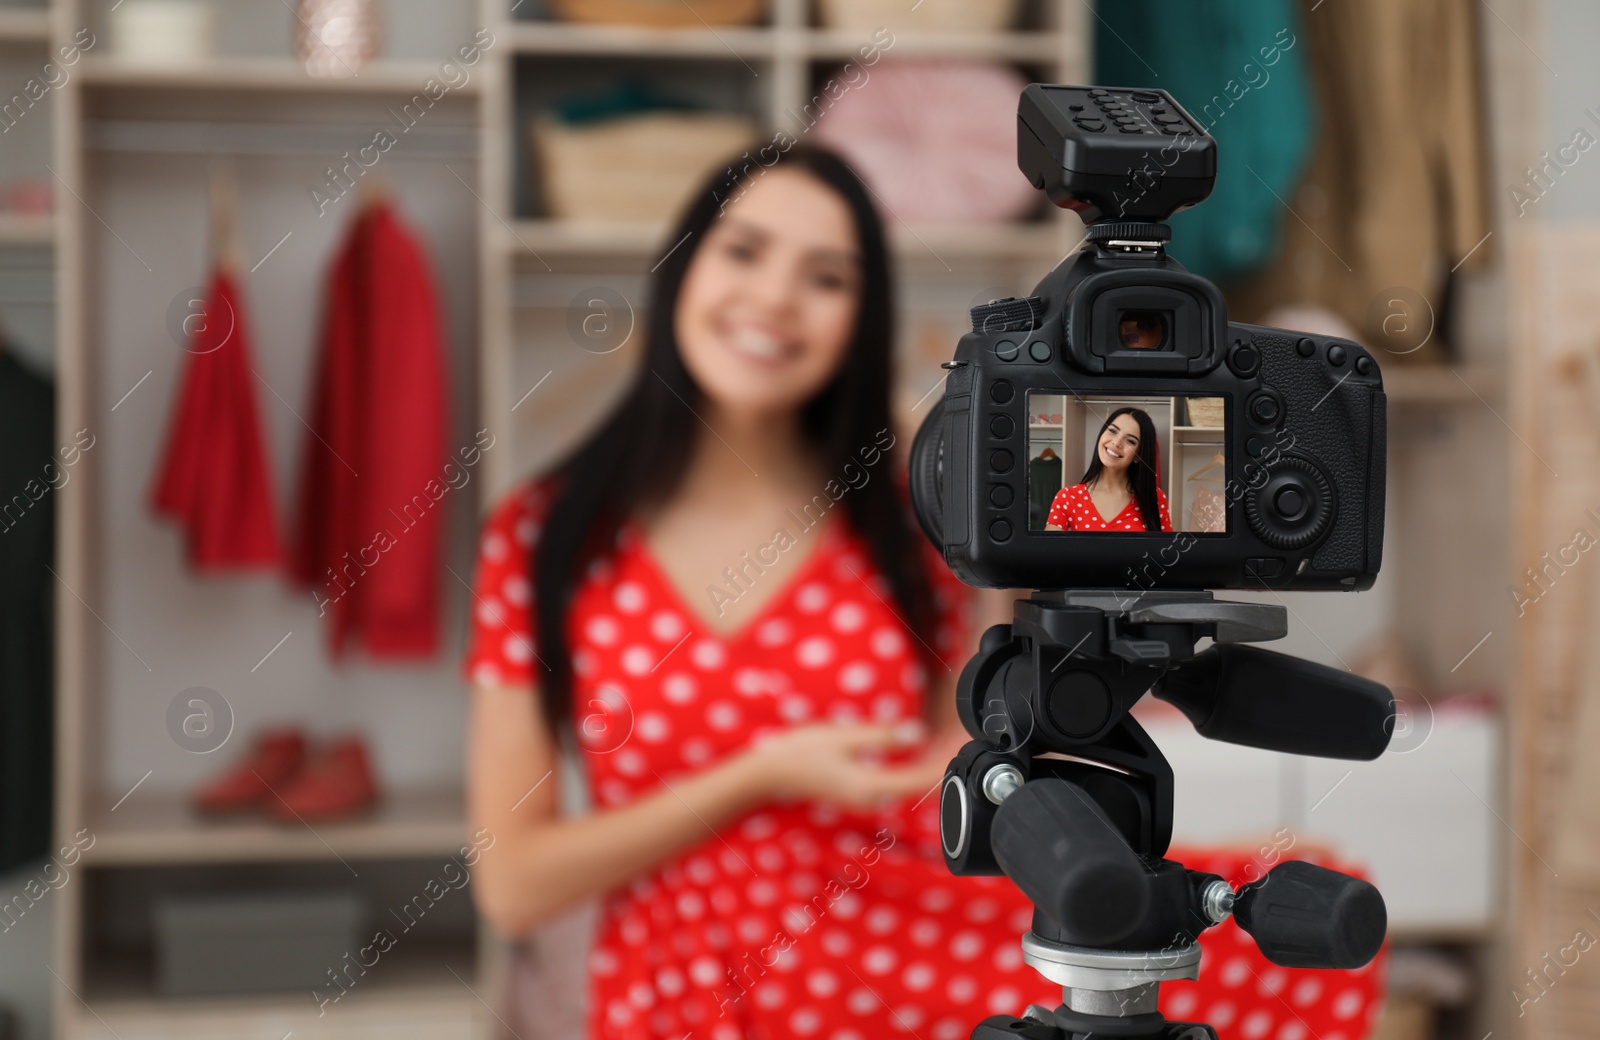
(1120, 490)
(739, 760)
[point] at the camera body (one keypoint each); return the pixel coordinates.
(1269, 443)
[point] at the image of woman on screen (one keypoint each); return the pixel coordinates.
(1119, 491)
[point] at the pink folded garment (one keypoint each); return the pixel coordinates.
(935, 140)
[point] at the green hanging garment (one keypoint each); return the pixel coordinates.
(1239, 67)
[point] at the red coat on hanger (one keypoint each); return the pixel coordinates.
(373, 494)
(214, 479)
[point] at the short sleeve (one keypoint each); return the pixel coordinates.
(1166, 514)
(1061, 509)
(500, 642)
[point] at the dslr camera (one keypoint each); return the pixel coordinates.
(1239, 456)
(1267, 461)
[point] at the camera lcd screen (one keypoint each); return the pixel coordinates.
(1107, 463)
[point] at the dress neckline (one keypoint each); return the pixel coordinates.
(1103, 518)
(830, 538)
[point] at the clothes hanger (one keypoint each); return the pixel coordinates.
(1048, 453)
(226, 249)
(373, 191)
(1216, 460)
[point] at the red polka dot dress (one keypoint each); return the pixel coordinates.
(1073, 510)
(800, 919)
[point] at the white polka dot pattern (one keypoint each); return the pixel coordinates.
(806, 918)
(1073, 510)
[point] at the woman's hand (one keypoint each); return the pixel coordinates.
(838, 762)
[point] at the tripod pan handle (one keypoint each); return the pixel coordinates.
(1305, 916)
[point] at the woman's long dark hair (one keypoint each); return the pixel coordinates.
(600, 484)
(1141, 475)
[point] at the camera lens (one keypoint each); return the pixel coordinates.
(1142, 330)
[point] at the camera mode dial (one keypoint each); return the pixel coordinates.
(1008, 315)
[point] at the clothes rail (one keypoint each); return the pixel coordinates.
(537, 291)
(321, 141)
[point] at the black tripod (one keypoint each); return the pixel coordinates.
(1067, 795)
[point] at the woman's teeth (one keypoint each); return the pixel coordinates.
(1113, 454)
(758, 344)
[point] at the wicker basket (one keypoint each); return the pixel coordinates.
(660, 14)
(1205, 411)
(632, 168)
(944, 16)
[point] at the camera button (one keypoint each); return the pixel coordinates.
(1254, 447)
(1002, 426)
(1264, 409)
(1006, 350)
(1305, 348)
(1000, 530)
(1039, 350)
(1290, 502)
(1149, 97)
(1364, 365)
(1264, 566)
(1000, 391)
(1336, 355)
(1244, 360)
(1099, 92)
(1001, 461)
(1094, 126)
(1001, 495)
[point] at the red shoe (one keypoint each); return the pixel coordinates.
(269, 765)
(336, 782)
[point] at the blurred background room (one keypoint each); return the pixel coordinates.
(228, 226)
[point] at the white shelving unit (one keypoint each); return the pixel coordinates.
(148, 839)
(517, 340)
(145, 835)
(781, 63)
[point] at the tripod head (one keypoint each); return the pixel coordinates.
(1067, 795)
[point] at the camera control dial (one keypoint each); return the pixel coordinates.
(1293, 506)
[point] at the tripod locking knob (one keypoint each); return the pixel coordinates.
(1055, 842)
(1305, 916)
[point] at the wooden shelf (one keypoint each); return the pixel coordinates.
(411, 978)
(166, 830)
(18, 229)
(24, 25)
(766, 43)
(631, 41)
(1442, 384)
(266, 74)
(591, 238)
(842, 44)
